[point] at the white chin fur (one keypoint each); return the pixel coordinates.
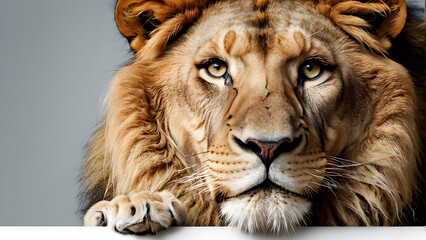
(265, 211)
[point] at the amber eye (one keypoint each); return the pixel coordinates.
(216, 68)
(311, 70)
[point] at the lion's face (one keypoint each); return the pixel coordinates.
(257, 100)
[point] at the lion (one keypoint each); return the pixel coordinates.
(263, 115)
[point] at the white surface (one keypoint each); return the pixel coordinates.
(216, 233)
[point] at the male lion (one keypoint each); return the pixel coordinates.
(260, 114)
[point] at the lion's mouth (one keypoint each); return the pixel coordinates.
(266, 186)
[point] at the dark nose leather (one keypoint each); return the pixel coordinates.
(268, 150)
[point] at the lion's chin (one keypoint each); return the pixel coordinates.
(265, 210)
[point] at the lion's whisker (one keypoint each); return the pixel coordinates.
(338, 170)
(341, 160)
(196, 154)
(192, 166)
(211, 190)
(350, 165)
(326, 186)
(344, 162)
(196, 186)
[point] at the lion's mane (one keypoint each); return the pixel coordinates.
(133, 150)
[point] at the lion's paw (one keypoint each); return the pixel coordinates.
(142, 212)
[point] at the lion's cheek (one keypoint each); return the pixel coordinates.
(302, 174)
(336, 137)
(232, 175)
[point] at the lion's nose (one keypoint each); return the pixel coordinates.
(268, 150)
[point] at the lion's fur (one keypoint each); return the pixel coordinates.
(134, 150)
(136, 117)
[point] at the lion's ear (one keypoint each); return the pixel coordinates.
(150, 24)
(371, 22)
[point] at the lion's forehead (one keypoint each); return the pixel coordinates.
(263, 25)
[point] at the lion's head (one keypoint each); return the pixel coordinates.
(286, 112)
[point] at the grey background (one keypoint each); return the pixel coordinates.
(56, 60)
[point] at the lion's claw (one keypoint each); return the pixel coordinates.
(140, 213)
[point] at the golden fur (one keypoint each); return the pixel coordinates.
(171, 128)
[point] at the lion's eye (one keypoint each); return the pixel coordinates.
(216, 68)
(311, 70)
